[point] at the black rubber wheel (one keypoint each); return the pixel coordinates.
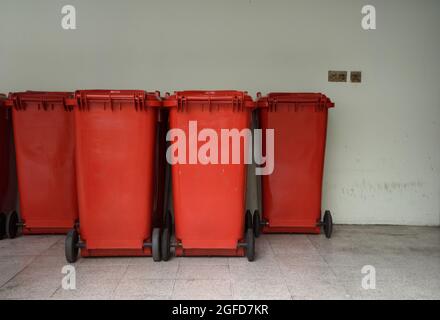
(248, 220)
(328, 224)
(257, 223)
(71, 246)
(2, 225)
(155, 245)
(250, 244)
(12, 225)
(165, 245)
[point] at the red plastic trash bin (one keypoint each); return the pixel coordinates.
(8, 180)
(291, 195)
(209, 199)
(44, 145)
(115, 158)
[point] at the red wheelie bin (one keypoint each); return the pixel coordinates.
(115, 135)
(8, 183)
(208, 196)
(291, 195)
(44, 147)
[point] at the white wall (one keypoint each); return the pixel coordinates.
(383, 159)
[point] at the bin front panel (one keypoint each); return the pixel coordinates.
(292, 193)
(44, 142)
(209, 200)
(115, 163)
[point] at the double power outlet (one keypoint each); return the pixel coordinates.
(341, 76)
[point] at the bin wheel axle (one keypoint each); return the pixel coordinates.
(174, 244)
(81, 245)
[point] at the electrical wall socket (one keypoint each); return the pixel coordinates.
(337, 76)
(356, 76)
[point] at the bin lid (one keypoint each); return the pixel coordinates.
(222, 96)
(137, 97)
(272, 99)
(43, 98)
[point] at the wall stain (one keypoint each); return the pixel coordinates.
(366, 189)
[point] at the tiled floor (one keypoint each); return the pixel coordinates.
(406, 260)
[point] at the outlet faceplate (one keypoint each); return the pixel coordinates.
(356, 76)
(337, 76)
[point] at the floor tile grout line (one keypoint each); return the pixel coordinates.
(53, 294)
(31, 259)
(119, 282)
(28, 265)
(346, 292)
(176, 278)
(321, 255)
(174, 286)
(231, 287)
(331, 269)
(30, 262)
(278, 264)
